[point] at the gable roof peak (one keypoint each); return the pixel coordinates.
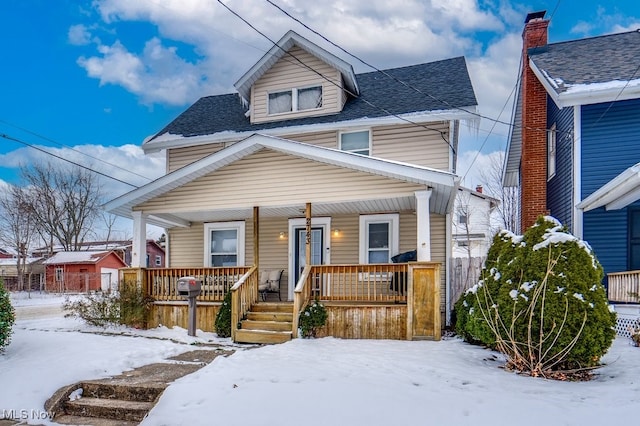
(280, 49)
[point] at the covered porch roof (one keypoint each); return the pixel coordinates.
(618, 193)
(442, 184)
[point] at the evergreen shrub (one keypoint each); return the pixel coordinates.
(7, 317)
(540, 301)
(223, 317)
(312, 319)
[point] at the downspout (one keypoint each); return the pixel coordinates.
(447, 267)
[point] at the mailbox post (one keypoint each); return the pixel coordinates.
(190, 287)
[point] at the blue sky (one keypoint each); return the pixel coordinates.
(100, 76)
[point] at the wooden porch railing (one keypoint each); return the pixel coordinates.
(244, 294)
(624, 286)
(385, 282)
(216, 282)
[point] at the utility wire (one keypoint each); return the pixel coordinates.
(4, 136)
(333, 82)
(71, 148)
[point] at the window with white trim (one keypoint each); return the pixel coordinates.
(297, 99)
(59, 274)
(551, 151)
(357, 142)
(224, 244)
(158, 260)
(379, 237)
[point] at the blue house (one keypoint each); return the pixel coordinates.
(574, 147)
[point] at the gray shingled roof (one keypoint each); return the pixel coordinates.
(447, 82)
(590, 60)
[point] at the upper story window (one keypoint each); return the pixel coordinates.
(357, 142)
(462, 219)
(224, 244)
(295, 100)
(158, 260)
(551, 151)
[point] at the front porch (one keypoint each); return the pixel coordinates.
(374, 301)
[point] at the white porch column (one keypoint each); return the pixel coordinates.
(424, 225)
(139, 249)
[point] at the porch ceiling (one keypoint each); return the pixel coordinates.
(319, 209)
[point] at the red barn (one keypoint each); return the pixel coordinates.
(82, 271)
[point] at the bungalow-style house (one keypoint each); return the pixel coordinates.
(320, 173)
(82, 271)
(574, 149)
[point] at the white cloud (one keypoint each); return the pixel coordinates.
(127, 163)
(79, 35)
(157, 75)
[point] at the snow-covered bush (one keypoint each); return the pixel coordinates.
(312, 319)
(541, 301)
(7, 317)
(223, 317)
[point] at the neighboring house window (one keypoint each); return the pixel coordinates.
(551, 152)
(59, 274)
(295, 100)
(463, 243)
(379, 237)
(357, 142)
(158, 260)
(462, 219)
(224, 244)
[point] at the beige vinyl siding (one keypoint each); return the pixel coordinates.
(274, 251)
(288, 73)
(186, 246)
(407, 143)
(413, 144)
(269, 178)
(327, 139)
(344, 247)
(180, 157)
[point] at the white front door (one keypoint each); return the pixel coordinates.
(320, 246)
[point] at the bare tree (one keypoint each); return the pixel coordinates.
(507, 210)
(17, 226)
(65, 204)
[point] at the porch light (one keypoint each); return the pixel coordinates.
(336, 232)
(283, 235)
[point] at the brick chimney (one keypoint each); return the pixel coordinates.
(533, 163)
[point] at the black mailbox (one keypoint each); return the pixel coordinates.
(189, 287)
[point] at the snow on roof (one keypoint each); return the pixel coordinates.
(13, 261)
(76, 257)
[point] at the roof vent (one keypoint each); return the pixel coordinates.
(534, 16)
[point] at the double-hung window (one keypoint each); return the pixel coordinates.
(224, 244)
(295, 100)
(357, 142)
(379, 238)
(551, 151)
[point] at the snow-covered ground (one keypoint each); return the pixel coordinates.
(317, 382)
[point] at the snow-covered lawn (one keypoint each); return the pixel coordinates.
(319, 382)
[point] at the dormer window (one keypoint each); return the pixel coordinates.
(295, 100)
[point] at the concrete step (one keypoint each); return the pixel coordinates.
(115, 409)
(91, 421)
(270, 316)
(272, 307)
(267, 325)
(102, 390)
(260, 336)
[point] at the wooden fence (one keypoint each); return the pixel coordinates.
(624, 287)
(465, 272)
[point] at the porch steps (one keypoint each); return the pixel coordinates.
(267, 323)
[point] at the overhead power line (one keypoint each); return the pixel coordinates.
(4, 136)
(371, 104)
